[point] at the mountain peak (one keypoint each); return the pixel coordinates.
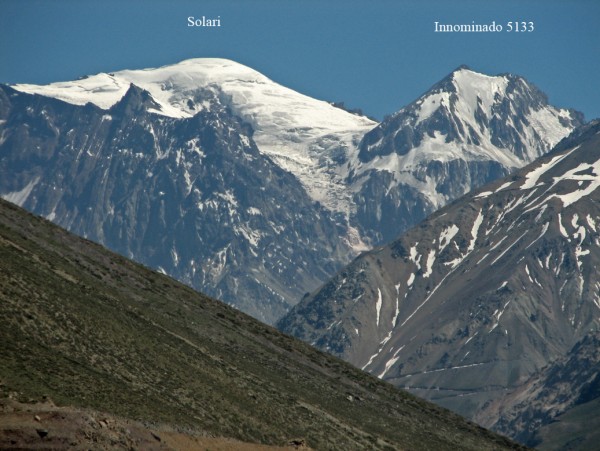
(472, 123)
(289, 126)
(462, 67)
(476, 112)
(447, 84)
(195, 72)
(167, 84)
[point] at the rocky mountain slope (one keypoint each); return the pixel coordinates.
(249, 191)
(557, 408)
(479, 296)
(192, 197)
(86, 327)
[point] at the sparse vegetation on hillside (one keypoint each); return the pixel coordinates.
(91, 329)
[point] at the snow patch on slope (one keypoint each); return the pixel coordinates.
(21, 196)
(378, 305)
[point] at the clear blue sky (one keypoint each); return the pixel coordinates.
(377, 55)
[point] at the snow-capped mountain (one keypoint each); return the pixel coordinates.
(467, 130)
(480, 295)
(238, 186)
(302, 135)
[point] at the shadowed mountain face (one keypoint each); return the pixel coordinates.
(479, 296)
(191, 197)
(247, 190)
(557, 408)
(89, 328)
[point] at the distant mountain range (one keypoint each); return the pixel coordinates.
(477, 299)
(249, 191)
(87, 328)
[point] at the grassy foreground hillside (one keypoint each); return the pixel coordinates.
(89, 328)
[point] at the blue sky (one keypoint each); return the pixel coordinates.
(377, 55)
